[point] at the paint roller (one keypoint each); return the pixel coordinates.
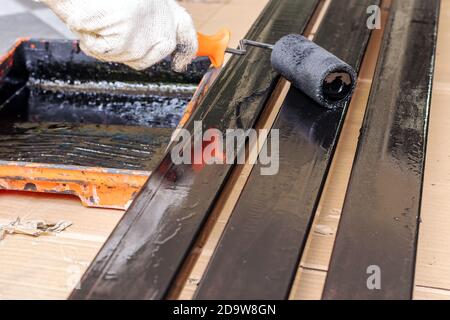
(313, 70)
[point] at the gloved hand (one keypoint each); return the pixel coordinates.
(138, 33)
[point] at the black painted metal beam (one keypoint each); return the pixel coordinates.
(259, 252)
(144, 253)
(375, 250)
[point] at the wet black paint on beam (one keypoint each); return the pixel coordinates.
(379, 224)
(141, 258)
(259, 252)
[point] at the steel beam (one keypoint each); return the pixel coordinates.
(375, 250)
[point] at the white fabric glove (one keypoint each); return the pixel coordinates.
(138, 33)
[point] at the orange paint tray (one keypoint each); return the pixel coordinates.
(72, 125)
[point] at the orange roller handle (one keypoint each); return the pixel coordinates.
(214, 46)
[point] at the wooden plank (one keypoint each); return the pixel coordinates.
(427, 293)
(433, 254)
(308, 284)
(433, 263)
(50, 266)
(143, 255)
(258, 254)
(378, 228)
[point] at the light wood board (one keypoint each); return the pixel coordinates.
(48, 267)
(433, 260)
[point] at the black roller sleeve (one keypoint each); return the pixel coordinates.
(322, 76)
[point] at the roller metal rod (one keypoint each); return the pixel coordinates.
(242, 48)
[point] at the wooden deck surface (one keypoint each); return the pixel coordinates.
(48, 267)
